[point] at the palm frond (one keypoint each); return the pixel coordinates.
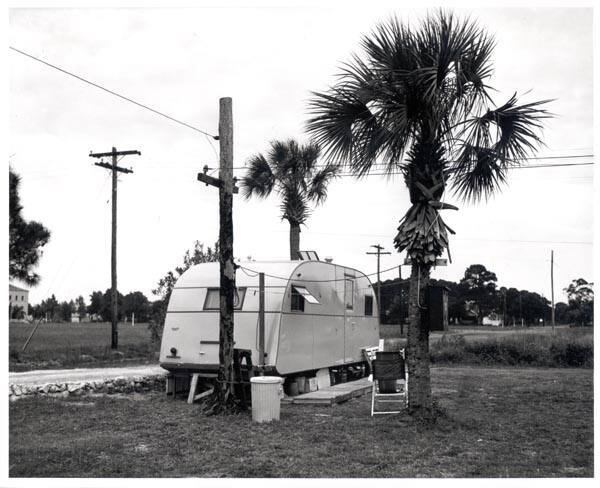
(492, 143)
(259, 179)
(317, 189)
(486, 174)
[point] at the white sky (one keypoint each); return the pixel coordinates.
(180, 61)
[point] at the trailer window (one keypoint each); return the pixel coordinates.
(349, 293)
(368, 305)
(212, 301)
(306, 294)
(297, 302)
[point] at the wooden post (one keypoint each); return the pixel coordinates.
(114, 338)
(552, 284)
(521, 307)
(401, 297)
(224, 392)
(504, 315)
(114, 341)
(261, 322)
(378, 253)
(226, 265)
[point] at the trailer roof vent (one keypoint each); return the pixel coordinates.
(308, 255)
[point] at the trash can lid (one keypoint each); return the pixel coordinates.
(266, 379)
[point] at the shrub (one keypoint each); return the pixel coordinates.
(560, 350)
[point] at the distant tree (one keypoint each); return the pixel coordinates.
(80, 307)
(17, 313)
(560, 313)
(479, 285)
(136, 303)
(290, 169)
(26, 239)
(106, 311)
(581, 302)
(66, 310)
(535, 308)
(165, 285)
(100, 304)
(36, 311)
(50, 309)
(96, 305)
(156, 321)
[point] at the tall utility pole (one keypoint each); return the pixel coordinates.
(504, 314)
(225, 183)
(401, 314)
(378, 253)
(114, 338)
(521, 307)
(552, 284)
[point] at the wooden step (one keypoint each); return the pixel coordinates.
(334, 394)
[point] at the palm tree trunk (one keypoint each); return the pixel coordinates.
(417, 349)
(294, 240)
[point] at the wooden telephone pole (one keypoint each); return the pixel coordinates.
(225, 183)
(114, 338)
(552, 284)
(378, 253)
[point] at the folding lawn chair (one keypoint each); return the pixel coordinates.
(390, 381)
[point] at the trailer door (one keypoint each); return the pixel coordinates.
(350, 320)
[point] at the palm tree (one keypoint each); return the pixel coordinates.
(417, 103)
(291, 170)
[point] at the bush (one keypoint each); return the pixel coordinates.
(561, 350)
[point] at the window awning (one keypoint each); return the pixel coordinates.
(306, 294)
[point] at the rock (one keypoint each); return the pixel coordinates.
(120, 381)
(73, 387)
(54, 389)
(13, 398)
(117, 355)
(62, 387)
(46, 388)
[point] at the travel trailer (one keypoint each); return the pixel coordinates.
(317, 315)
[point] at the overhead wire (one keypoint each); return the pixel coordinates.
(185, 124)
(317, 281)
(380, 166)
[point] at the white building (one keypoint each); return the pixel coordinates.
(18, 297)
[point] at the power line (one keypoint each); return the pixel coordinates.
(515, 167)
(244, 269)
(114, 93)
(455, 238)
(379, 166)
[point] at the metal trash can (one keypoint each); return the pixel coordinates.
(266, 397)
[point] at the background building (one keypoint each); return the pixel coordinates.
(18, 297)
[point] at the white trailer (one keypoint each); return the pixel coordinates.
(317, 315)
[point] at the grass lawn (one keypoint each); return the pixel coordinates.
(62, 344)
(495, 422)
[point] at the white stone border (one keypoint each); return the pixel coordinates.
(108, 386)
